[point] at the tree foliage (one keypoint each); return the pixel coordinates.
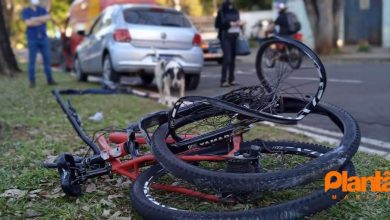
(59, 12)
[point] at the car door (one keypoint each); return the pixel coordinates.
(86, 47)
(99, 40)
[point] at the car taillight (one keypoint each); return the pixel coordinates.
(197, 41)
(122, 35)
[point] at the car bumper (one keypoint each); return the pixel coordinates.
(129, 59)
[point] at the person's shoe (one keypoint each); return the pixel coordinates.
(225, 85)
(52, 83)
(233, 83)
(32, 84)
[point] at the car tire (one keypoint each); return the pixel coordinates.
(192, 81)
(147, 79)
(108, 71)
(81, 76)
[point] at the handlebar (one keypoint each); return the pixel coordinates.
(73, 119)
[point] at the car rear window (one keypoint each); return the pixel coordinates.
(156, 17)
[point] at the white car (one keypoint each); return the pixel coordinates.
(125, 39)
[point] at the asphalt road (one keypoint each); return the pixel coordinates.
(363, 89)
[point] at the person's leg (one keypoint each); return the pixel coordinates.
(233, 52)
(32, 56)
(46, 56)
(226, 48)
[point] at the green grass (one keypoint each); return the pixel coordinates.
(33, 127)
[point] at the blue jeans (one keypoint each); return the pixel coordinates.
(35, 46)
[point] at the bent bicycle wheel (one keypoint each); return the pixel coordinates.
(259, 181)
(153, 203)
(295, 72)
(288, 68)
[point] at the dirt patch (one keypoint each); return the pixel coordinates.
(17, 132)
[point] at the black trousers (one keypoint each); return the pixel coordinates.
(228, 44)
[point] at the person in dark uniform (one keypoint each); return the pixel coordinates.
(286, 21)
(282, 20)
(229, 26)
(36, 18)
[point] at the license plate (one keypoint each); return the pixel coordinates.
(166, 57)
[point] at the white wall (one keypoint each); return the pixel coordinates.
(386, 24)
(298, 7)
(251, 18)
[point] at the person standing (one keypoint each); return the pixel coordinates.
(35, 18)
(229, 26)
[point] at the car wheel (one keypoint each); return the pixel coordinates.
(192, 81)
(80, 75)
(147, 79)
(109, 74)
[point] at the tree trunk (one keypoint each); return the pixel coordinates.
(323, 21)
(8, 64)
(8, 11)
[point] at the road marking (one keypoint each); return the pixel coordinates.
(210, 76)
(240, 72)
(334, 141)
(364, 140)
(353, 81)
(320, 136)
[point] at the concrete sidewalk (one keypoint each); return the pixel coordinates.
(350, 53)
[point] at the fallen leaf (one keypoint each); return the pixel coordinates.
(107, 203)
(56, 190)
(35, 191)
(85, 208)
(106, 213)
(91, 188)
(111, 197)
(116, 215)
(50, 159)
(32, 213)
(126, 184)
(14, 193)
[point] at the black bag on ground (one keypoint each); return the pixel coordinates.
(242, 46)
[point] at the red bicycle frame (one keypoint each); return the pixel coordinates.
(131, 168)
(112, 150)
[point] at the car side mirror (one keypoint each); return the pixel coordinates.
(81, 33)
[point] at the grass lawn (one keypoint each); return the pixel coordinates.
(33, 128)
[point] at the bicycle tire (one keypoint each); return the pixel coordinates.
(315, 202)
(249, 182)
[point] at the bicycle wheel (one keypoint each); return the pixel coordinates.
(296, 72)
(156, 204)
(280, 78)
(273, 180)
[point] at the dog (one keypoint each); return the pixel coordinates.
(168, 75)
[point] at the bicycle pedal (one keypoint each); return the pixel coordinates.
(67, 169)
